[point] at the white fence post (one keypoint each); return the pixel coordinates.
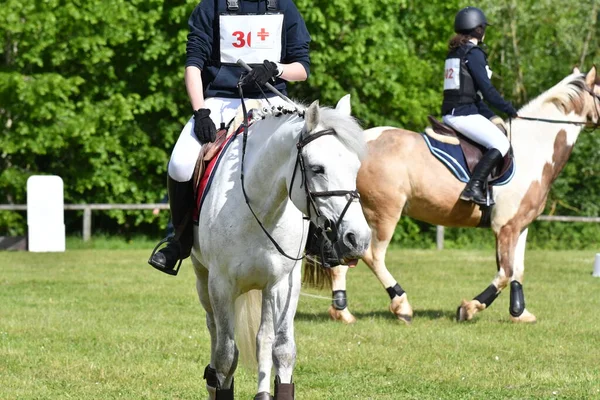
(45, 213)
(596, 272)
(87, 224)
(439, 237)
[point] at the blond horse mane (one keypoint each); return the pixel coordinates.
(567, 96)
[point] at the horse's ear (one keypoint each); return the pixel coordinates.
(312, 116)
(344, 105)
(576, 70)
(591, 77)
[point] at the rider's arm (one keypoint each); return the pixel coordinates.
(198, 50)
(484, 110)
(193, 85)
(296, 61)
(477, 65)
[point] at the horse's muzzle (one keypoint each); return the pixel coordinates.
(352, 244)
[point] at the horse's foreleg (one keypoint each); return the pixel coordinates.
(375, 259)
(202, 289)
(338, 310)
(264, 347)
(518, 312)
(225, 354)
(284, 298)
(510, 260)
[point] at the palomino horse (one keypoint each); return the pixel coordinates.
(400, 175)
(251, 232)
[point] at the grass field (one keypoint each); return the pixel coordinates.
(101, 324)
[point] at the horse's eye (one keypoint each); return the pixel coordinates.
(318, 169)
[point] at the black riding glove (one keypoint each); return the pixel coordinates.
(261, 74)
(204, 127)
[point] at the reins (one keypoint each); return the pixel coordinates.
(328, 227)
(593, 126)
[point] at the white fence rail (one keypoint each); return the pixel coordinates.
(88, 208)
(87, 211)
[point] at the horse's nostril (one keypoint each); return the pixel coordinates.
(351, 239)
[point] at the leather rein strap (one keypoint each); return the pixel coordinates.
(329, 228)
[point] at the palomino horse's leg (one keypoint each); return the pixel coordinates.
(510, 259)
(382, 230)
(338, 310)
(284, 301)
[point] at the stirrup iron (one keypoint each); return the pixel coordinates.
(174, 271)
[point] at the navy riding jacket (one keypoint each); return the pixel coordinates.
(476, 62)
(202, 49)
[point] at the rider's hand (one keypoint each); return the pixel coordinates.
(261, 74)
(499, 122)
(204, 127)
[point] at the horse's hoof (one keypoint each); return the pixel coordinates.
(467, 310)
(344, 315)
(400, 307)
(263, 396)
(525, 318)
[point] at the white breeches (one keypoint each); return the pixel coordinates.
(479, 129)
(185, 153)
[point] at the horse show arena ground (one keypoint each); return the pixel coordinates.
(102, 324)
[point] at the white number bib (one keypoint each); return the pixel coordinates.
(253, 38)
(452, 74)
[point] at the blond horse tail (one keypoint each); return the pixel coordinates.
(315, 275)
(248, 308)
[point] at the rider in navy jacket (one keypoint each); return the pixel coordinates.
(269, 35)
(203, 51)
(477, 64)
(466, 80)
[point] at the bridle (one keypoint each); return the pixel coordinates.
(328, 227)
(586, 124)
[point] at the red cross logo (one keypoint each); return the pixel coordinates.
(263, 34)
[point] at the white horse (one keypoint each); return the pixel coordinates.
(401, 176)
(297, 162)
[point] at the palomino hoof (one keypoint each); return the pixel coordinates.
(460, 314)
(525, 318)
(400, 307)
(467, 310)
(344, 315)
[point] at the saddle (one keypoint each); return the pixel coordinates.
(210, 150)
(472, 151)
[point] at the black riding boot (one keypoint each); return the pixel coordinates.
(181, 202)
(474, 191)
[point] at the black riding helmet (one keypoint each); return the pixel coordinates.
(468, 19)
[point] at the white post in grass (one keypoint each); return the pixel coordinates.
(45, 213)
(439, 237)
(596, 272)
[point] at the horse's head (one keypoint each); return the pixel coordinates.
(323, 185)
(580, 93)
(592, 97)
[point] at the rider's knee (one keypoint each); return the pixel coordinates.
(181, 170)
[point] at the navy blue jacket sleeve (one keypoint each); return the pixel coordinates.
(297, 38)
(484, 110)
(200, 36)
(476, 63)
